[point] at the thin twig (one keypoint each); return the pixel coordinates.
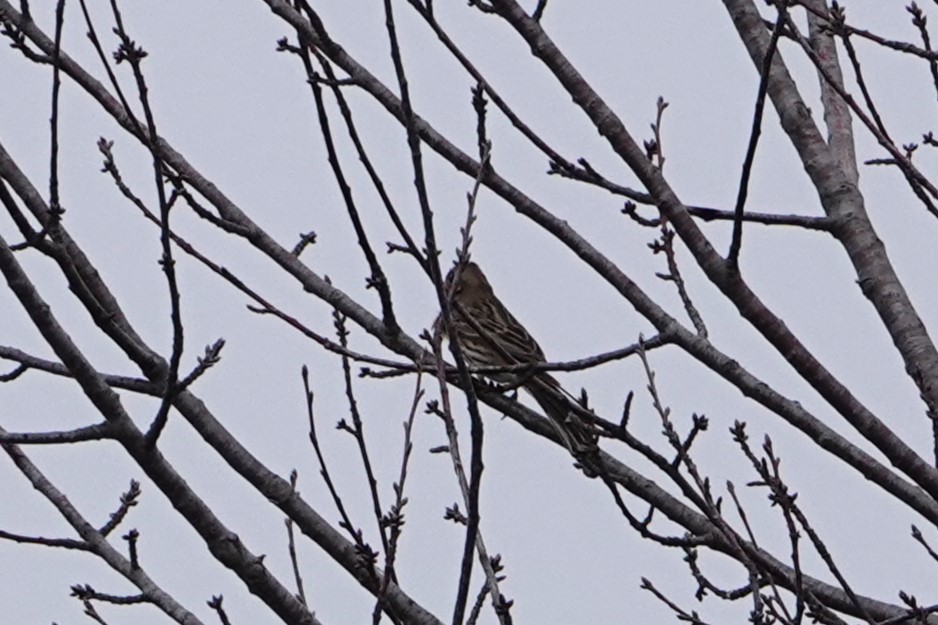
(365, 552)
(127, 501)
(378, 279)
(732, 257)
(394, 519)
(132, 53)
(291, 547)
(96, 432)
(358, 432)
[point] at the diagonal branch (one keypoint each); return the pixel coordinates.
(153, 366)
(92, 540)
(897, 316)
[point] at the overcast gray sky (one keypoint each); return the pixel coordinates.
(242, 114)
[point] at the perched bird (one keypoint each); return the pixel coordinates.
(490, 336)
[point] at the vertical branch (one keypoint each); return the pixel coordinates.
(920, 22)
(358, 428)
(378, 279)
(476, 428)
(737, 241)
(136, 127)
(409, 244)
(836, 112)
(395, 518)
(291, 548)
(129, 51)
(55, 207)
(364, 551)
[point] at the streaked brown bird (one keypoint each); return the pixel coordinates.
(490, 336)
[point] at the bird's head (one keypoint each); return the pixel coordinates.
(467, 284)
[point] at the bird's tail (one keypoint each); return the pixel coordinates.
(562, 413)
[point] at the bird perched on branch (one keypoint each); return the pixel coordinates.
(491, 337)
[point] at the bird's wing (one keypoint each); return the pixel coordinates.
(506, 336)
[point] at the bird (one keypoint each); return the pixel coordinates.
(490, 336)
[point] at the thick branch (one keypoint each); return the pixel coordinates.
(843, 203)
